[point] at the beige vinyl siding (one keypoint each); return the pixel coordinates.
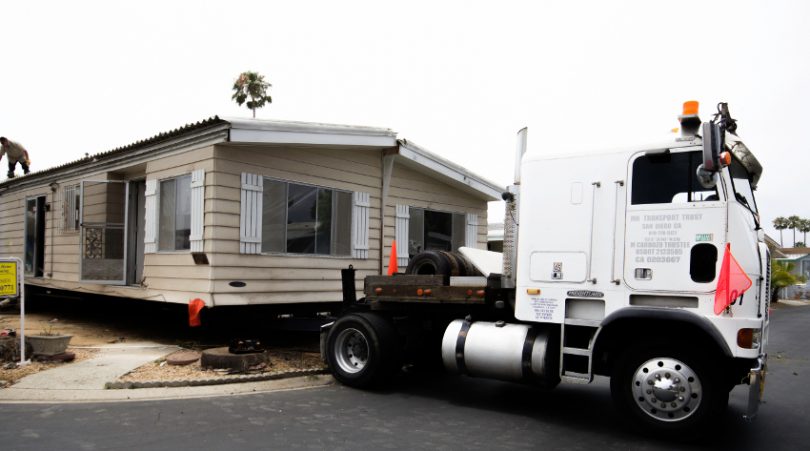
(63, 245)
(174, 273)
(274, 278)
(12, 221)
(172, 276)
(61, 250)
(416, 189)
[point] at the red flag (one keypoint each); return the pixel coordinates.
(732, 283)
(392, 261)
(194, 308)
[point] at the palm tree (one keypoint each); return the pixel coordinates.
(804, 227)
(251, 84)
(780, 224)
(793, 223)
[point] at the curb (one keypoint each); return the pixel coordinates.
(218, 381)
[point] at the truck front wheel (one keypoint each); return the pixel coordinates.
(361, 350)
(668, 389)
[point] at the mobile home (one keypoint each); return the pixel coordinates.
(239, 212)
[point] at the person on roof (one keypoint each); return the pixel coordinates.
(15, 153)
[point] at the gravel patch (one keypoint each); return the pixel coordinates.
(282, 363)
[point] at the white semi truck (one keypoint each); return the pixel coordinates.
(646, 265)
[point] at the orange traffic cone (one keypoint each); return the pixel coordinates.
(392, 261)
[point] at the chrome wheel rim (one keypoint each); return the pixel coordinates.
(667, 389)
(351, 351)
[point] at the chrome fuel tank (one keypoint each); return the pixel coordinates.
(511, 352)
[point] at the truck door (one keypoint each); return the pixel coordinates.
(675, 227)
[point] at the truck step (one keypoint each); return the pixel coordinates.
(582, 322)
(576, 378)
(577, 351)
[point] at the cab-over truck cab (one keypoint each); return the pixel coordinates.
(646, 265)
(624, 252)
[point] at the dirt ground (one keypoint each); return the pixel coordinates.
(93, 323)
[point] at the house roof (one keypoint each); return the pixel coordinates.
(417, 155)
(241, 130)
(295, 132)
(89, 160)
(773, 245)
(795, 250)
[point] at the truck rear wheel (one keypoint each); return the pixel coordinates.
(361, 350)
(668, 389)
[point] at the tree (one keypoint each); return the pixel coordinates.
(251, 84)
(804, 227)
(782, 276)
(780, 224)
(793, 223)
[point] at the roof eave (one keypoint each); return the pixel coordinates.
(289, 132)
(456, 174)
(210, 131)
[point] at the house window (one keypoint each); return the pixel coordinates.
(71, 199)
(305, 219)
(669, 178)
(174, 221)
(435, 230)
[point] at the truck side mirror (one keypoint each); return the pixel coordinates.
(713, 142)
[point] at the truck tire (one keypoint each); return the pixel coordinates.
(440, 263)
(429, 263)
(668, 389)
(362, 350)
(465, 267)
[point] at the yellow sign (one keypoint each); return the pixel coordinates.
(8, 278)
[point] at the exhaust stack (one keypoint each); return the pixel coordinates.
(510, 224)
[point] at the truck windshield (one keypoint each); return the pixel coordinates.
(669, 178)
(741, 181)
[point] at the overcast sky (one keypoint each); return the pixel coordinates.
(457, 77)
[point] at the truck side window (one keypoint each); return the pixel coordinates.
(669, 178)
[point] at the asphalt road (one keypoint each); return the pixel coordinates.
(420, 412)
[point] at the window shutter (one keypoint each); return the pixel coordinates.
(150, 218)
(401, 235)
(69, 218)
(250, 220)
(361, 207)
(197, 210)
(471, 234)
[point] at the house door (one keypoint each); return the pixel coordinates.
(103, 232)
(135, 231)
(35, 236)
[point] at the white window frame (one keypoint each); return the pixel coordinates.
(286, 212)
(453, 216)
(251, 215)
(159, 198)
